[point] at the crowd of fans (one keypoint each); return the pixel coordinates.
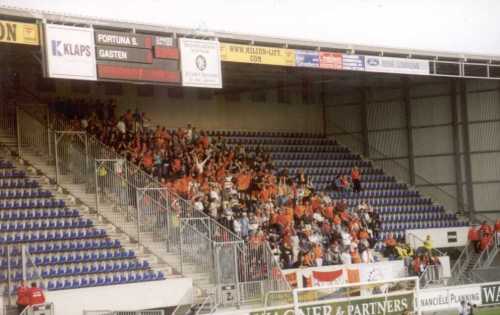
(482, 236)
(241, 189)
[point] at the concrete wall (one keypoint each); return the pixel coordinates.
(217, 112)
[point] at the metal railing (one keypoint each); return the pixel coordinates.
(413, 240)
(433, 274)
(135, 202)
(461, 264)
(45, 309)
(488, 254)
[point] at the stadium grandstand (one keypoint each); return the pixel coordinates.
(151, 169)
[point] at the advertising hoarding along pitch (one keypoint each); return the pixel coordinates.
(70, 52)
(124, 54)
(200, 63)
(107, 38)
(19, 33)
(490, 294)
(392, 304)
(307, 58)
(330, 60)
(396, 65)
(257, 54)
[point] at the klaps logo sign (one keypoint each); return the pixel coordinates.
(70, 52)
(66, 49)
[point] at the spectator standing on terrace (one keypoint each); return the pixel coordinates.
(473, 236)
(36, 295)
(23, 297)
(428, 244)
(390, 244)
(356, 179)
(497, 228)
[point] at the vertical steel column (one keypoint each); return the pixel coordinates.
(48, 136)
(18, 127)
(323, 107)
(96, 171)
(138, 218)
(364, 121)
(456, 145)
(57, 158)
(24, 261)
(409, 129)
(466, 143)
(9, 273)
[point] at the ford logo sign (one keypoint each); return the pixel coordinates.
(373, 62)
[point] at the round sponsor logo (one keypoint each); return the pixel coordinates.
(201, 62)
(373, 62)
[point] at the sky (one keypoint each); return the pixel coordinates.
(469, 27)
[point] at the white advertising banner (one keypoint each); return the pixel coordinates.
(70, 52)
(396, 65)
(448, 297)
(200, 63)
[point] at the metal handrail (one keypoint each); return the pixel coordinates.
(488, 254)
(209, 300)
(464, 256)
(427, 276)
(29, 310)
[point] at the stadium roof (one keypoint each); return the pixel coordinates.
(458, 29)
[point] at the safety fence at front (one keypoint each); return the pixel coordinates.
(157, 219)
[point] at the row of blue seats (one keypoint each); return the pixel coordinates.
(396, 201)
(321, 163)
(409, 209)
(12, 173)
(396, 193)
(89, 268)
(71, 247)
(18, 183)
(282, 134)
(24, 193)
(78, 257)
(290, 149)
(6, 215)
(387, 227)
(45, 224)
(6, 164)
(7, 238)
(85, 280)
(328, 186)
(30, 204)
(108, 280)
(424, 216)
(315, 157)
(277, 141)
(334, 170)
(377, 186)
(80, 245)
